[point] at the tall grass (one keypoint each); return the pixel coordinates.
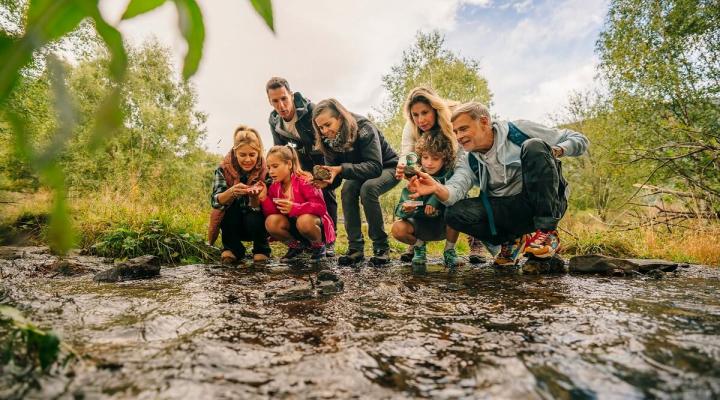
(117, 220)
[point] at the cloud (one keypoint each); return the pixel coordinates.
(329, 48)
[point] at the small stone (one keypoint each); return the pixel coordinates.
(330, 287)
(326, 275)
(142, 267)
(320, 173)
(298, 292)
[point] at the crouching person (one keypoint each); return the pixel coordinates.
(295, 210)
(422, 219)
(236, 206)
(523, 193)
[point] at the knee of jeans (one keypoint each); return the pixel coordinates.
(534, 145)
(369, 193)
(453, 217)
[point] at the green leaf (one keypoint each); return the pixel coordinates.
(108, 118)
(137, 7)
(192, 28)
(60, 232)
(48, 346)
(264, 9)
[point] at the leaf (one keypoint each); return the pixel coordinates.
(264, 9)
(48, 349)
(60, 232)
(12, 314)
(137, 7)
(108, 118)
(192, 28)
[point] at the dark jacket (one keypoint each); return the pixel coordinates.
(309, 156)
(370, 154)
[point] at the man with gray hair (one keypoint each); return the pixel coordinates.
(523, 193)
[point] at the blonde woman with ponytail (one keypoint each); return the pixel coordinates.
(236, 208)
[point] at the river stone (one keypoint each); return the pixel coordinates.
(330, 287)
(296, 292)
(534, 266)
(598, 263)
(142, 267)
(326, 275)
(320, 173)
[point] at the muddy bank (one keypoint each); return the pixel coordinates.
(214, 332)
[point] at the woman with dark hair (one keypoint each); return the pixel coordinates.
(356, 151)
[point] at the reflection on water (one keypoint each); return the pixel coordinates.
(204, 331)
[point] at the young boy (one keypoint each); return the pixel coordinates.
(422, 220)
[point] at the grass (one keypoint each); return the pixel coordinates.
(126, 224)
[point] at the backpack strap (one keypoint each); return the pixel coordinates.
(515, 135)
(475, 167)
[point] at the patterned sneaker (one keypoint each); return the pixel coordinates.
(543, 244)
(419, 254)
(408, 255)
(318, 251)
(295, 249)
(510, 252)
(450, 258)
(330, 250)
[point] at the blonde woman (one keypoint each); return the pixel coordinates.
(238, 181)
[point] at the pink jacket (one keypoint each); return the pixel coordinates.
(307, 199)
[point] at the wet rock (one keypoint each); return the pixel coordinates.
(598, 263)
(326, 275)
(320, 173)
(68, 267)
(330, 287)
(296, 292)
(533, 266)
(142, 267)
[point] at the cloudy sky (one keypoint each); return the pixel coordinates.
(533, 53)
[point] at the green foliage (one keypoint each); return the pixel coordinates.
(428, 63)
(661, 60)
(47, 21)
(25, 351)
(156, 238)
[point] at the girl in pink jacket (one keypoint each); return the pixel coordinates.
(295, 209)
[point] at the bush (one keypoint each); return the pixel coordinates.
(154, 237)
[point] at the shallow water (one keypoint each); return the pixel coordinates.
(204, 331)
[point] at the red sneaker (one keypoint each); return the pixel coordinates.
(543, 244)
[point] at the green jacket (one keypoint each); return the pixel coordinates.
(432, 200)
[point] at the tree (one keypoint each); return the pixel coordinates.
(661, 60)
(47, 21)
(428, 63)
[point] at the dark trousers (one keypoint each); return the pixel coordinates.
(540, 205)
(368, 193)
(331, 204)
(243, 224)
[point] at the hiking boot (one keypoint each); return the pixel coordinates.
(260, 258)
(543, 244)
(330, 250)
(419, 254)
(294, 250)
(318, 252)
(380, 257)
(228, 258)
(477, 249)
(408, 255)
(510, 252)
(352, 257)
(450, 258)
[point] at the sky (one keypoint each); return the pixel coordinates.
(533, 53)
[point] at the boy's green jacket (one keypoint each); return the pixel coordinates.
(432, 200)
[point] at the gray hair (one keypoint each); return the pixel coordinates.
(474, 109)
